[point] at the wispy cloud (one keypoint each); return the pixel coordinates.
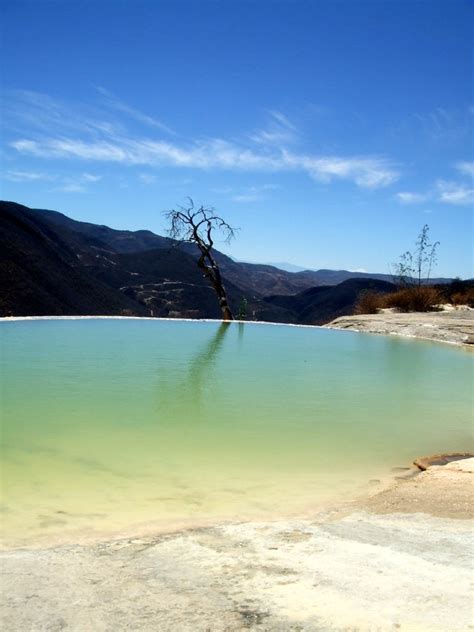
(147, 178)
(466, 168)
(222, 190)
(254, 193)
(454, 193)
(247, 197)
(283, 120)
(444, 191)
(443, 125)
(202, 155)
(366, 172)
(26, 176)
(90, 177)
(439, 127)
(113, 102)
(40, 114)
(407, 197)
(93, 140)
(70, 187)
(77, 183)
(278, 131)
(66, 183)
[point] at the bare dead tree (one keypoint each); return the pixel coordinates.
(195, 226)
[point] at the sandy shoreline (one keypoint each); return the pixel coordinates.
(400, 559)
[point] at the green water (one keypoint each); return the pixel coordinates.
(115, 427)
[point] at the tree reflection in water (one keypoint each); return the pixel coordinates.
(185, 392)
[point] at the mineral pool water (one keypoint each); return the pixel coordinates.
(113, 427)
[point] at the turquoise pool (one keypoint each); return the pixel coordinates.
(112, 427)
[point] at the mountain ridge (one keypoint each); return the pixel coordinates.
(51, 264)
(129, 241)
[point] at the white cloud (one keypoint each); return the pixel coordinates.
(275, 137)
(71, 187)
(407, 197)
(71, 148)
(279, 131)
(27, 147)
(466, 168)
(69, 184)
(90, 139)
(282, 119)
(255, 193)
(444, 191)
(41, 114)
(77, 184)
(454, 193)
(366, 172)
(221, 190)
(89, 177)
(269, 187)
(113, 102)
(26, 176)
(444, 126)
(147, 178)
(247, 197)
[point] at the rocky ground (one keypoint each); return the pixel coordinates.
(454, 326)
(400, 560)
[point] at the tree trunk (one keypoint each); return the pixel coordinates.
(212, 272)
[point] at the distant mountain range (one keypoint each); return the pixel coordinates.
(51, 264)
(291, 267)
(288, 267)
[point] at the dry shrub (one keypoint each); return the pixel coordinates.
(463, 298)
(369, 302)
(414, 299)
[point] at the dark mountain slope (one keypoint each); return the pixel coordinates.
(253, 278)
(51, 264)
(264, 280)
(334, 277)
(48, 267)
(40, 274)
(115, 240)
(319, 305)
(169, 283)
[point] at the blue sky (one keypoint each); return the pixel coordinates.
(329, 132)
